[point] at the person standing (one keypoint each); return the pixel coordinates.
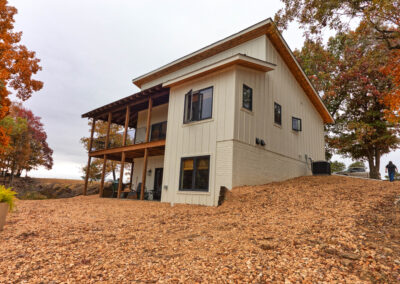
(392, 169)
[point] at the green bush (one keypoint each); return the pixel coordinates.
(7, 196)
(33, 195)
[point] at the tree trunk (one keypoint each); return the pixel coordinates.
(374, 162)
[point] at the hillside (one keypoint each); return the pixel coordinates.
(309, 229)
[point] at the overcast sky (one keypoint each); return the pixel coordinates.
(91, 49)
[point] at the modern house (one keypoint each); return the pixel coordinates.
(238, 112)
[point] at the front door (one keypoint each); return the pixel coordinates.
(157, 183)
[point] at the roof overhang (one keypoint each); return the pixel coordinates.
(266, 27)
(135, 99)
(238, 59)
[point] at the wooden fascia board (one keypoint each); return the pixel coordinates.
(129, 148)
(238, 59)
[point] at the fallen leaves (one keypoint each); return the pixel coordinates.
(309, 229)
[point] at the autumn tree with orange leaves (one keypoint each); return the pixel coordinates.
(17, 66)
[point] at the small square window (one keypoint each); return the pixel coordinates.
(247, 98)
(198, 105)
(277, 114)
(296, 124)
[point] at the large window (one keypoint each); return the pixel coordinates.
(247, 98)
(195, 172)
(198, 105)
(296, 124)
(158, 131)
(277, 114)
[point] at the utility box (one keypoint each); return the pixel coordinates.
(321, 168)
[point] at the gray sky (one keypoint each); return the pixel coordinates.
(91, 49)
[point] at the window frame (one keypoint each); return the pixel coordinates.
(301, 124)
(280, 117)
(185, 107)
(160, 137)
(251, 98)
(194, 173)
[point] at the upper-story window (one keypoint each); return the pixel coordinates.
(277, 114)
(198, 105)
(296, 124)
(158, 131)
(247, 98)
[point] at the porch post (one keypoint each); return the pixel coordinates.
(126, 125)
(89, 158)
(103, 173)
(146, 150)
(121, 175)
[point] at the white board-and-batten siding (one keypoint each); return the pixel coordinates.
(197, 138)
(229, 136)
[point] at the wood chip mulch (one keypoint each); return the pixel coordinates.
(309, 229)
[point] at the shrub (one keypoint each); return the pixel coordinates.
(33, 195)
(7, 196)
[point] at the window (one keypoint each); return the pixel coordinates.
(195, 173)
(198, 105)
(296, 124)
(158, 131)
(277, 114)
(247, 98)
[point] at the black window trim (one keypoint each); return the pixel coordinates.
(194, 173)
(251, 101)
(151, 130)
(280, 106)
(301, 124)
(201, 105)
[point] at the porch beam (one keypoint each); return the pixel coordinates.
(121, 175)
(130, 148)
(89, 158)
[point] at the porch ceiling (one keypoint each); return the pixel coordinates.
(136, 102)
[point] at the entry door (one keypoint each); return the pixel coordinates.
(158, 175)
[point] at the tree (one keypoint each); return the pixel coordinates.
(28, 148)
(382, 17)
(337, 166)
(348, 74)
(357, 164)
(115, 140)
(17, 66)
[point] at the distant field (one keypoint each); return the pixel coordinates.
(57, 180)
(306, 230)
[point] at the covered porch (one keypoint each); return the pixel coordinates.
(128, 136)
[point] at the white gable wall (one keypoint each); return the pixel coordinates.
(253, 48)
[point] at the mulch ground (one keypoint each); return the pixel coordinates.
(309, 229)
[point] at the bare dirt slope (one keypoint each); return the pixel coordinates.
(308, 229)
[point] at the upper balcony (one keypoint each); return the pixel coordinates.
(134, 124)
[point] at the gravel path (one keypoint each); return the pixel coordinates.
(309, 229)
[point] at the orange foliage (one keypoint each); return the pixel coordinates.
(392, 99)
(17, 65)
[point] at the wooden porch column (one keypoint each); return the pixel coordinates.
(121, 175)
(103, 173)
(146, 150)
(90, 158)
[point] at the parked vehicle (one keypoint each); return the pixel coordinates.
(355, 171)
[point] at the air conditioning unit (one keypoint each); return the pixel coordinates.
(321, 168)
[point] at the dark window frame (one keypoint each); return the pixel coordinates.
(301, 124)
(190, 94)
(280, 114)
(160, 137)
(194, 173)
(251, 97)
